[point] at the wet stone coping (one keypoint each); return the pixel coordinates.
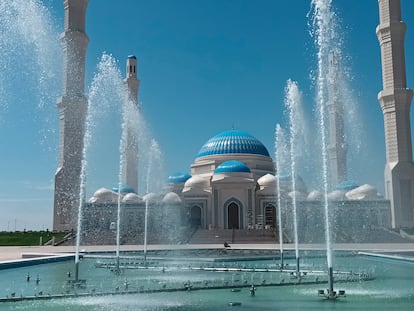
(407, 257)
(31, 259)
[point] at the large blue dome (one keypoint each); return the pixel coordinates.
(347, 185)
(124, 189)
(232, 166)
(233, 141)
(178, 177)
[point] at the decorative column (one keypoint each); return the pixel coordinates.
(395, 101)
(72, 107)
(130, 173)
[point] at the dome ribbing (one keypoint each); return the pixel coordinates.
(232, 142)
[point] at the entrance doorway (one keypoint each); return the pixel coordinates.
(270, 216)
(195, 216)
(233, 216)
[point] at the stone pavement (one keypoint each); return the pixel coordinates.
(8, 253)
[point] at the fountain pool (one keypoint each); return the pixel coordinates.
(208, 279)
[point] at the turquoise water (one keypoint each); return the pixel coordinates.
(392, 288)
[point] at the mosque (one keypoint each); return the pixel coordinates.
(232, 185)
(233, 181)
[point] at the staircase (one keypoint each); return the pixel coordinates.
(239, 236)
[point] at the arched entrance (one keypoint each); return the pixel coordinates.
(195, 216)
(233, 216)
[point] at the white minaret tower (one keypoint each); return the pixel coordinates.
(130, 174)
(337, 148)
(395, 100)
(72, 107)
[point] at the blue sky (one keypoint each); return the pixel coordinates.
(204, 66)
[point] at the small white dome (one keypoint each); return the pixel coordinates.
(364, 192)
(171, 198)
(337, 195)
(315, 195)
(132, 198)
(150, 197)
(267, 180)
(102, 191)
(196, 182)
(267, 184)
(93, 200)
(104, 195)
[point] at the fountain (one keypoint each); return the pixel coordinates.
(123, 145)
(107, 91)
(325, 36)
(293, 103)
(30, 56)
(155, 155)
(248, 278)
(323, 23)
(164, 283)
(280, 158)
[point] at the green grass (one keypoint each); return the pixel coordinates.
(28, 238)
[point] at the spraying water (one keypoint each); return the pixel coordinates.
(280, 157)
(128, 141)
(30, 52)
(32, 36)
(154, 157)
(293, 103)
(146, 231)
(122, 163)
(107, 89)
(323, 22)
(325, 36)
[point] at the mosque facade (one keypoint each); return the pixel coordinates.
(232, 184)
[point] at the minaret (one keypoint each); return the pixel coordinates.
(337, 148)
(395, 100)
(130, 174)
(72, 107)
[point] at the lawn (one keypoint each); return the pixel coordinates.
(28, 238)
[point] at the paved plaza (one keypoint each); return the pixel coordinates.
(11, 253)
